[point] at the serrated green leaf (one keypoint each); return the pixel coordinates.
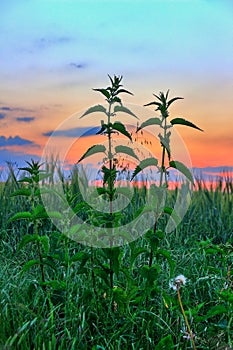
(45, 243)
(102, 190)
(29, 170)
(150, 272)
(165, 142)
(135, 253)
(151, 121)
(173, 100)
(30, 264)
(25, 179)
(28, 239)
(93, 150)
(103, 128)
(124, 110)
(22, 192)
(125, 91)
(104, 92)
(116, 99)
(21, 215)
(152, 103)
(126, 150)
(94, 109)
(183, 169)
(39, 212)
(109, 174)
(185, 122)
(144, 164)
(118, 126)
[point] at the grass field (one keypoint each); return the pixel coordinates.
(58, 294)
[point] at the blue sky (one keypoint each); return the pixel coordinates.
(53, 52)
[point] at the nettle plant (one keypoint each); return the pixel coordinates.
(162, 104)
(36, 217)
(109, 127)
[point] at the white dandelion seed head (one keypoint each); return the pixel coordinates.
(177, 282)
(181, 279)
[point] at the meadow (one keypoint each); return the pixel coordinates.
(161, 290)
(59, 294)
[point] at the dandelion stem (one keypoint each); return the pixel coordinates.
(185, 318)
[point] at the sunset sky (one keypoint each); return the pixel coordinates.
(53, 52)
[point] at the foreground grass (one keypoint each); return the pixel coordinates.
(77, 309)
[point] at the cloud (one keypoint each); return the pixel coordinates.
(208, 173)
(25, 119)
(16, 158)
(15, 109)
(43, 43)
(6, 108)
(2, 115)
(14, 141)
(75, 132)
(77, 65)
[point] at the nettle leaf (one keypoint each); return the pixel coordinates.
(165, 142)
(124, 110)
(182, 121)
(103, 128)
(26, 179)
(30, 264)
(21, 215)
(173, 100)
(183, 169)
(121, 128)
(151, 121)
(29, 170)
(116, 99)
(104, 92)
(126, 150)
(135, 253)
(153, 103)
(93, 150)
(150, 272)
(45, 243)
(28, 239)
(144, 164)
(109, 174)
(123, 90)
(94, 109)
(39, 212)
(22, 192)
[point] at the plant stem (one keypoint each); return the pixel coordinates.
(185, 318)
(163, 171)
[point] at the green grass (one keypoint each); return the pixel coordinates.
(77, 308)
